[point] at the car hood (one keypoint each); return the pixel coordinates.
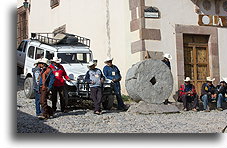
(75, 70)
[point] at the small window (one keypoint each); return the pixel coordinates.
(54, 3)
(31, 52)
(74, 57)
(21, 46)
(49, 55)
(39, 53)
(25, 46)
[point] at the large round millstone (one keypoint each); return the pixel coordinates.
(150, 81)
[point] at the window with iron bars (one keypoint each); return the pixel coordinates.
(54, 3)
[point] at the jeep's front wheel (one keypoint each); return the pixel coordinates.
(108, 101)
(28, 88)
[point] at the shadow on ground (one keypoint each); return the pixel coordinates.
(32, 124)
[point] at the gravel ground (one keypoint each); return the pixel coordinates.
(84, 121)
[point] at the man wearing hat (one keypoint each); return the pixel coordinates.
(40, 64)
(45, 84)
(95, 79)
(208, 93)
(112, 72)
(188, 94)
(166, 58)
(221, 91)
(60, 77)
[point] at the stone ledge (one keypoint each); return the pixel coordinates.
(146, 108)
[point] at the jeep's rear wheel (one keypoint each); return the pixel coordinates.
(108, 101)
(28, 88)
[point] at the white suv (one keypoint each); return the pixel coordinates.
(75, 54)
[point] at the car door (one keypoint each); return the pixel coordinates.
(30, 59)
(21, 53)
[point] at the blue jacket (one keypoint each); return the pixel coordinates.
(49, 80)
(94, 75)
(112, 72)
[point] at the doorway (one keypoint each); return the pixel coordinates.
(196, 59)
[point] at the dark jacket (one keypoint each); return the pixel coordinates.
(167, 63)
(49, 80)
(221, 89)
(207, 90)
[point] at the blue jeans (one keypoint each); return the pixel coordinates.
(206, 99)
(37, 103)
(220, 100)
(117, 91)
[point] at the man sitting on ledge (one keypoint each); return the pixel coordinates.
(188, 94)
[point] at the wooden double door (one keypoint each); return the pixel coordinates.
(196, 59)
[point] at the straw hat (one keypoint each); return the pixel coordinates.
(56, 60)
(91, 63)
(108, 59)
(168, 56)
(187, 79)
(209, 79)
(41, 60)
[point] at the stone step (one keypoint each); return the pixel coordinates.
(212, 105)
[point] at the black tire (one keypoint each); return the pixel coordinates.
(28, 88)
(108, 101)
(66, 97)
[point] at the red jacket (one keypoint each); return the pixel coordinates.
(59, 73)
(183, 90)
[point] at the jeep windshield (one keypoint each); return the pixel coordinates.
(74, 57)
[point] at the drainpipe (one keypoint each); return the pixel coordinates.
(108, 28)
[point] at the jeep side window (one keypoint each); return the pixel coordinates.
(49, 55)
(31, 50)
(39, 53)
(25, 46)
(20, 47)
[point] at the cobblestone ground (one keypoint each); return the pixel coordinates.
(84, 121)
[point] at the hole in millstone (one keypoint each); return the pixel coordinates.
(153, 81)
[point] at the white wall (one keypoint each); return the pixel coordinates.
(222, 45)
(88, 19)
(172, 12)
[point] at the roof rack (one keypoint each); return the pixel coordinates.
(60, 39)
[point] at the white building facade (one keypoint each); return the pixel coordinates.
(194, 32)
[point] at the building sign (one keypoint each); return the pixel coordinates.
(210, 20)
(151, 12)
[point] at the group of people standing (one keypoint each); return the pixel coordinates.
(95, 78)
(52, 78)
(48, 78)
